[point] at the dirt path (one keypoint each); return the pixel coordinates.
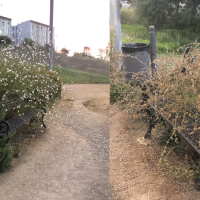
(70, 159)
(132, 176)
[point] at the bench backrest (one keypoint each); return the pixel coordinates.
(10, 101)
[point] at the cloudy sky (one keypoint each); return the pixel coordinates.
(77, 23)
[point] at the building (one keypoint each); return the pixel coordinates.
(36, 31)
(5, 26)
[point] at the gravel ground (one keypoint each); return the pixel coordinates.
(70, 159)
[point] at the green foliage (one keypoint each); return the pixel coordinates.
(75, 76)
(82, 63)
(5, 154)
(166, 40)
(167, 13)
(132, 2)
(64, 50)
(117, 92)
(182, 172)
(165, 133)
(128, 16)
(33, 80)
(28, 42)
(2, 114)
(5, 41)
(16, 149)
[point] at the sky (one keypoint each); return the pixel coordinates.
(77, 23)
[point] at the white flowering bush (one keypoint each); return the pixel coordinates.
(23, 70)
(30, 80)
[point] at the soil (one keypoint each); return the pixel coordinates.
(70, 158)
(133, 171)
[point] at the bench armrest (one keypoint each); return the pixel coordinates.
(4, 127)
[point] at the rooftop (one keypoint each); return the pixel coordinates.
(5, 17)
(38, 23)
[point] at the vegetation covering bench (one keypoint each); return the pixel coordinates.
(13, 101)
(190, 134)
(185, 124)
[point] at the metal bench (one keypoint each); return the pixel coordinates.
(14, 100)
(192, 139)
(189, 134)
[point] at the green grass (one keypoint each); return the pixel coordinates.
(166, 40)
(75, 76)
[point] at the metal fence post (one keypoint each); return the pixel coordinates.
(152, 35)
(115, 23)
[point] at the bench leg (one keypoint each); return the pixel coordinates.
(153, 120)
(33, 119)
(152, 125)
(42, 121)
(38, 119)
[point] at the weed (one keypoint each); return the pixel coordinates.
(5, 153)
(18, 146)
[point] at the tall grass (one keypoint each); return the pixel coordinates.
(166, 40)
(82, 63)
(75, 76)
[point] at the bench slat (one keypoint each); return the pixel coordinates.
(12, 101)
(17, 121)
(192, 139)
(11, 104)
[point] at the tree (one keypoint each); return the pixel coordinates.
(46, 46)
(5, 40)
(28, 42)
(76, 54)
(167, 13)
(65, 51)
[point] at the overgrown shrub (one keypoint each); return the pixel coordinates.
(28, 42)
(5, 41)
(32, 79)
(167, 14)
(23, 71)
(175, 92)
(6, 154)
(128, 16)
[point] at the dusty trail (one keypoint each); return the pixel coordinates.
(68, 161)
(132, 176)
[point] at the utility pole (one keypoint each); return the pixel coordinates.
(51, 36)
(115, 24)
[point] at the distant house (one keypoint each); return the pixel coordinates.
(5, 26)
(36, 31)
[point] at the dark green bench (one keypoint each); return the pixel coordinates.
(189, 133)
(12, 101)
